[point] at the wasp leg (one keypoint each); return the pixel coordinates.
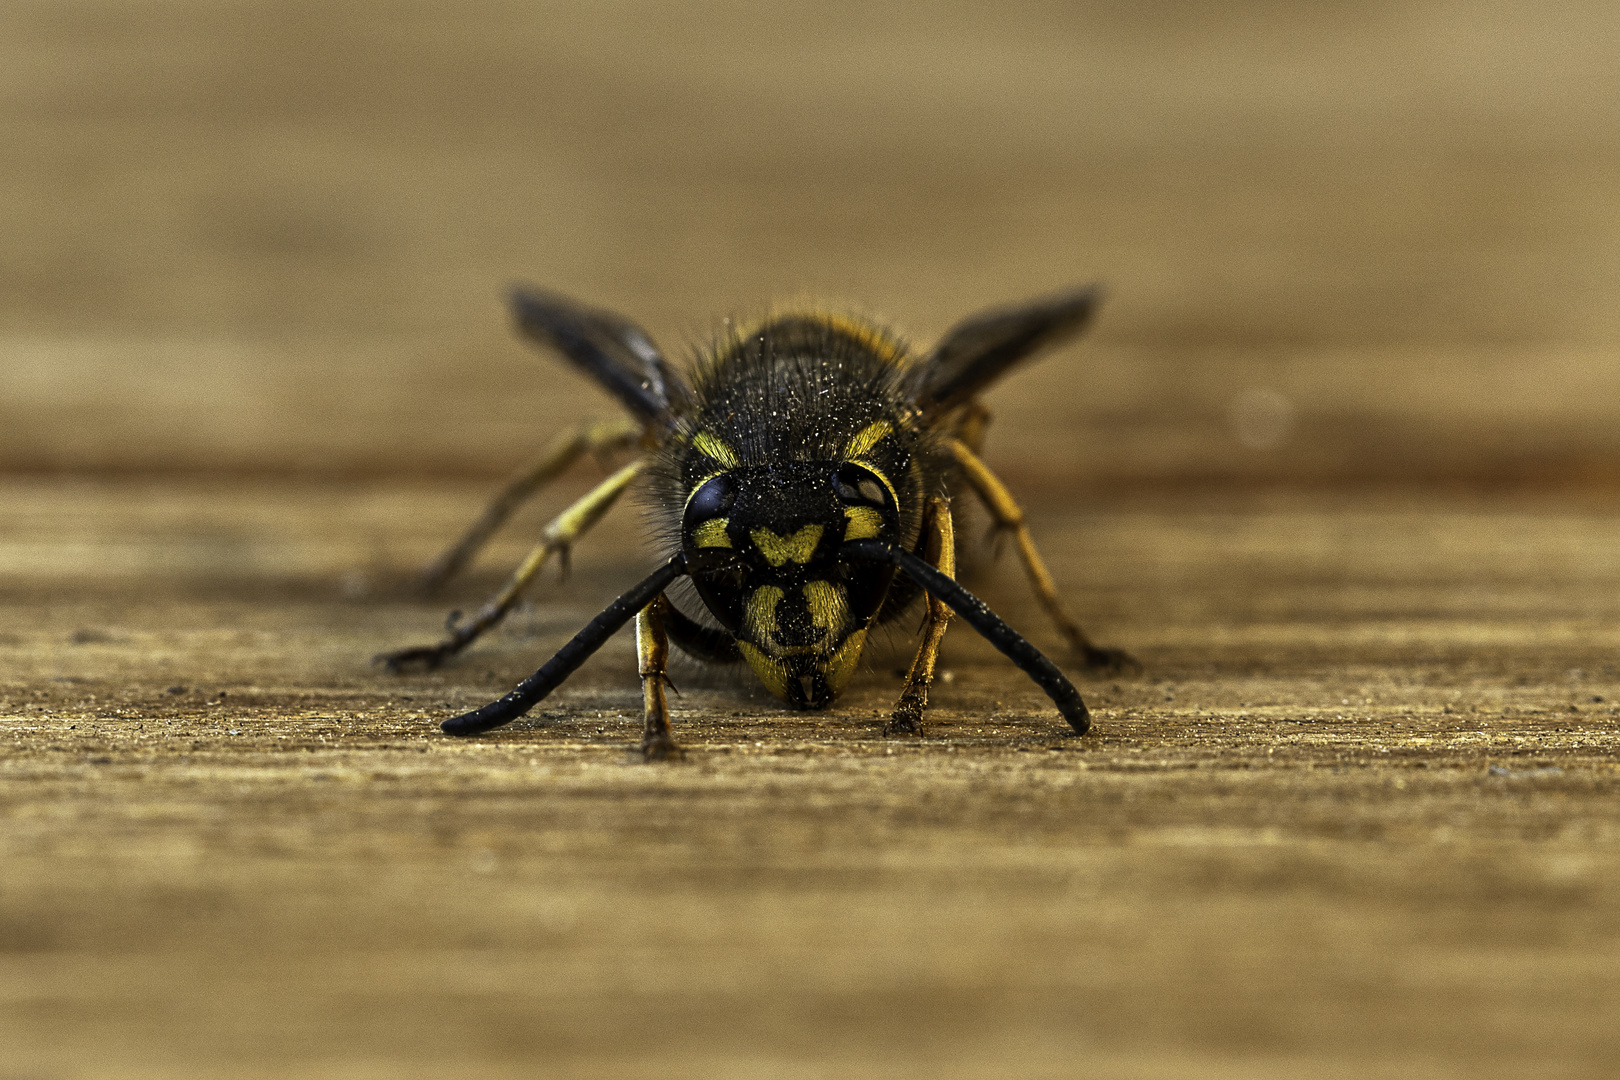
(554, 672)
(1009, 515)
(598, 438)
(986, 622)
(652, 657)
(941, 551)
(972, 425)
(564, 530)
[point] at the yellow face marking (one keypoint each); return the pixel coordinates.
(705, 443)
(864, 523)
(780, 549)
(828, 608)
(841, 665)
(773, 674)
(712, 533)
(761, 613)
(868, 437)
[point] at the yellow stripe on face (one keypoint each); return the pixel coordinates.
(780, 549)
(761, 614)
(841, 665)
(868, 437)
(825, 600)
(773, 674)
(712, 534)
(708, 444)
(864, 523)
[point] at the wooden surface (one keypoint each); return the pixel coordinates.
(1360, 816)
(1339, 462)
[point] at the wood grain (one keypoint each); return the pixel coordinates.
(1339, 463)
(1358, 818)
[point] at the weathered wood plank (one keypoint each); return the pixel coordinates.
(1359, 817)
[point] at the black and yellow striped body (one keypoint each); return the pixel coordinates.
(798, 438)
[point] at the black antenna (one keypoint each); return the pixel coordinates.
(989, 625)
(530, 691)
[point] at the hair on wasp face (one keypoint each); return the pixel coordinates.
(763, 545)
(800, 474)
(797, 439)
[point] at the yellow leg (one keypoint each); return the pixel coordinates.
(1010, 516)
(564, 530)
(973, 425)
(941, 551)
(652, 656)
(598, 438)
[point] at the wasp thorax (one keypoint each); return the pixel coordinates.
(762, 544)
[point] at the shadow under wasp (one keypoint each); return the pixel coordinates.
(801, 476)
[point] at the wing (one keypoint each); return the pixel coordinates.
(610, 348)
(979, 350)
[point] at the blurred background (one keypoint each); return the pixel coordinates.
(1350, 241)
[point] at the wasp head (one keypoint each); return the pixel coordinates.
(761, 544)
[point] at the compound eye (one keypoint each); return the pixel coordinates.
(858, 486)
(713, 500)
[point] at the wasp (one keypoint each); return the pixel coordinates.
(800, 477)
